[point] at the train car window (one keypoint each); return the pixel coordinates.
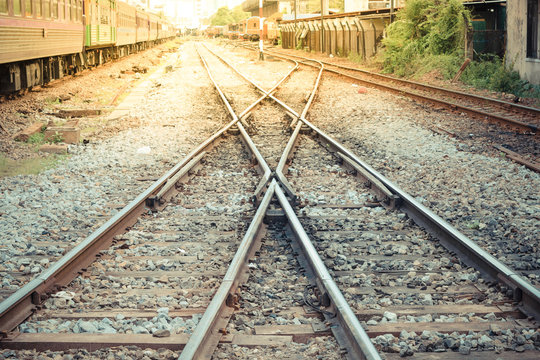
(73, 10)
(80, 11)
(61, 10)
(28, 8)
(54, 12)
(17, 7)
(3, 6)
(38, 8)
(46, 9)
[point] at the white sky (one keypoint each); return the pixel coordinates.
(186, 8)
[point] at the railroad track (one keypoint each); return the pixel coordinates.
(277, 288)
(517, 139)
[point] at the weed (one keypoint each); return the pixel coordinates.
(354, 57)
(423, 29)
(56, 138)
(36, 138)
(427, 38)
(53, 100)
(491, 73)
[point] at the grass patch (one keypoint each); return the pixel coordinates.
(491, 73)
(9, 167)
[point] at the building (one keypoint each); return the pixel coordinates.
(523, 42)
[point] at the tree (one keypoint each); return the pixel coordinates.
(222, 17)
(239, 14)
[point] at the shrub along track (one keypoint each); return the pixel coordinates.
(349, 214)
(511, 128)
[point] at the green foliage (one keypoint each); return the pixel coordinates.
(427, 39)
(491, 73)
(222, 17)
(36, 138)
(225, 16)
(34, 165)
(424, 28)
(239, 14)
(56, 138)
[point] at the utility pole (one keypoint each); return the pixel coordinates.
(324, 11)
(261, 53)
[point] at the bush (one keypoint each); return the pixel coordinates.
(491, 73)
(423, 29)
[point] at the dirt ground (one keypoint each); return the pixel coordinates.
(100, 88)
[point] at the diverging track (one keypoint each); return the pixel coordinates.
(328, 242)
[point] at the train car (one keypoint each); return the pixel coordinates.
(270, 31)
(215, 31)
(231, 31)
(33, 37)
(42, 40)
(100, 23)
(143, 27)
(250, 28)
(153, 26)
(126, 31)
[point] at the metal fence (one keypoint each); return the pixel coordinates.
(353, 33)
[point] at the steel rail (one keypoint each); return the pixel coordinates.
(516, 123)
(472, 254)
(206, 336)
(244, 114)
(266, 176)
(221, 95)
(266, 172)
(21, 304)
(293, 140)
(359, 345)
(502, 103)
(288, 109)
(451, 238)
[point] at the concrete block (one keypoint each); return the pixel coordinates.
(69, 135)
(54, 148)
(29, 131)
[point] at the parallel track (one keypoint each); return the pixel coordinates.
(524, 118)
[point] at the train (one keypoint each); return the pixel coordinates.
(247, 29)
(43, 40)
